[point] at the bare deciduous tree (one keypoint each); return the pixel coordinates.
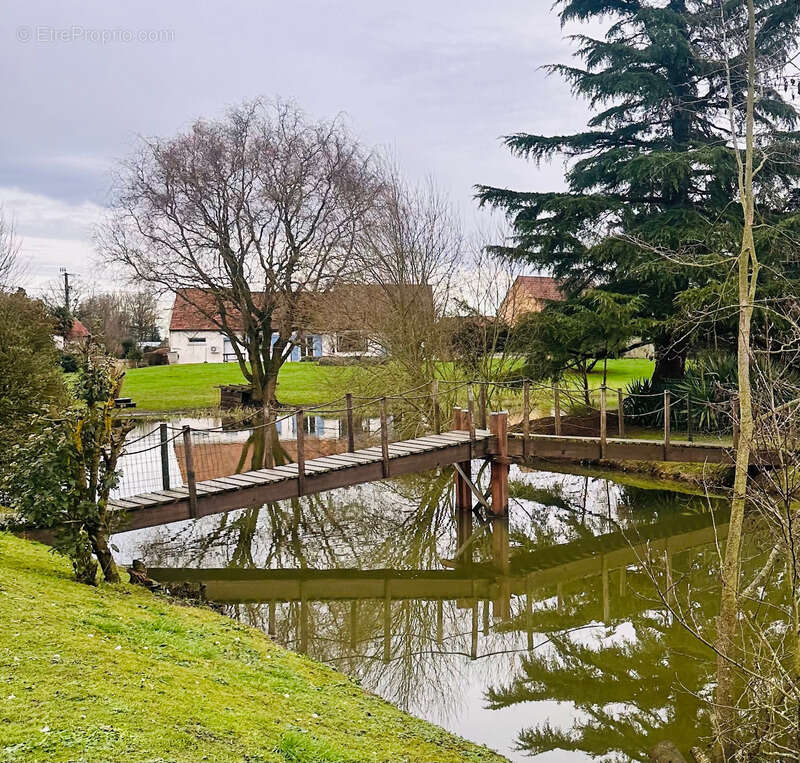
(141, 315)
(243, 217)
(409, 251)
(10, 267)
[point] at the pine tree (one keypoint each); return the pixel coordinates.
(654, 172)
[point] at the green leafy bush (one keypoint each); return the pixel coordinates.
(61, 474)
(706, 391)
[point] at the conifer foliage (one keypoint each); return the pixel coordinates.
(654, 173)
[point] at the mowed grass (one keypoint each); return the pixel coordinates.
(182, 387)
(194, 385)
(621, 372)
(117, 673)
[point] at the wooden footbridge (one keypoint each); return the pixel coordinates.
(229, 487)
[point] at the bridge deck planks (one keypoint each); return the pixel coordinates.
(366, 465)
(324, 473)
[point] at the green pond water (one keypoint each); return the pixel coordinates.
(548, 633)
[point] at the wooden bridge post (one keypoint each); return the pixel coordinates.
(470, 412)
(621, 413)
(482, 406)
(500, 462)
(437, 413)
(556, 410)
(603, 422)
(190, 475)
(384, 437)
(667, 422)
(269, 454)
(463, 493)
(162, 428)
(300, 424)
(351, 435)
(526, 418)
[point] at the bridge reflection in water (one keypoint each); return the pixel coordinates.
(532, 634)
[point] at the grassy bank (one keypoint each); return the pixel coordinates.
(117, 673)
(182, 387)
(170, 388)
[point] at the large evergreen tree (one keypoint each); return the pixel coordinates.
(653, 173)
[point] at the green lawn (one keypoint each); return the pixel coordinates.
(117, 673)
(621, 372)
(169, 388)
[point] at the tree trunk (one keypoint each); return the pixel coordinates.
(725, 714)
(104, 556)
(670, 357)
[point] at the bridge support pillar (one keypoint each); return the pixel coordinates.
(498, 426)
(462, 489)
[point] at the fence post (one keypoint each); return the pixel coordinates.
(526, 417)
(603, 422)
(667, 417)
(437, 414)
(162, 427)
(384, 437)
(499, 467)
(351, 435)
(556, 410)
(689, 432)
(482, 405)
(463, 500)
(190, 476)
(621, 412)
(471, 411)
(300, 425)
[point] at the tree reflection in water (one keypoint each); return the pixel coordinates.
(559, 603)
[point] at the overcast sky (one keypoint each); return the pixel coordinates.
(436, 82)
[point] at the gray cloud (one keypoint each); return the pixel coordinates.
(437, 82)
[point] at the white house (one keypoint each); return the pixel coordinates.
(194, 336)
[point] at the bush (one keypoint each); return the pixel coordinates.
(134, 353)
(157, 357)
(30, 378)
(709, 383)
(61, 474)
(69, 363)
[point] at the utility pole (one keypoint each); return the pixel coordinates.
(66, 290)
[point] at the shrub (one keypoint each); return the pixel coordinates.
(69, 363)
(709, 383)
(134, 353)
(61, 475)
(30, 378)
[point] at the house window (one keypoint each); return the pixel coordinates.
(306, 347)
(351, 341)
(197, 339)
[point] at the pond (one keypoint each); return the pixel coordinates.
(550, 632)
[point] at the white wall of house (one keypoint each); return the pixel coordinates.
(214, 347)
(197, 346)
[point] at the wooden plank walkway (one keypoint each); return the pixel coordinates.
(253, 488)
(573, 448)
(326, 473)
